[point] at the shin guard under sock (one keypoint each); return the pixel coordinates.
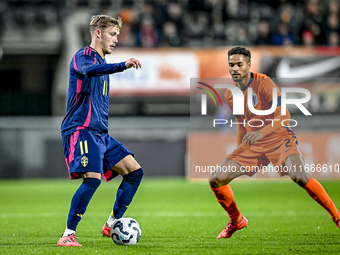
(80, 200)
(126, 192)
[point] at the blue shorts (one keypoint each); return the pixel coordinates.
(89, 151)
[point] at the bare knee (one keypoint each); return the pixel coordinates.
(296, 170)
(126, 165)
(216, 180)
(225, 173)
(91, 175)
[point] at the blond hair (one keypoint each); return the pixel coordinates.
(104, 21)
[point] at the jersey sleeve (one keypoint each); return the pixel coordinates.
(228, 98)
(85, 65)
(241, 130)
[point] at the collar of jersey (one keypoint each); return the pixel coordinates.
(249, 82)
(97, 54)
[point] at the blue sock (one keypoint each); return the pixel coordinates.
(80, 200)
(126, 192)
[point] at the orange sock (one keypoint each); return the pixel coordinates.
(318, 193)
(225, 197)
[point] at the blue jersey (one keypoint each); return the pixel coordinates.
(88, 92)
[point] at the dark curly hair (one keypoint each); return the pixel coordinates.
(240, 50)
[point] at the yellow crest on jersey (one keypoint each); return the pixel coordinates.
(84, 161)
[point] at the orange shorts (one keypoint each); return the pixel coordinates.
(272, 148)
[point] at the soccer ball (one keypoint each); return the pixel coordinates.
(126, 231)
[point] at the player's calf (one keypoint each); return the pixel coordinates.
(126, 191)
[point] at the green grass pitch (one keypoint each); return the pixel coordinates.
(176, 217)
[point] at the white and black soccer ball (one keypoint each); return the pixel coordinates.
(126, 231)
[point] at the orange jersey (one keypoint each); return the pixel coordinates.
(262, 89)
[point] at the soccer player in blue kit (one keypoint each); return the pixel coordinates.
(90, 153)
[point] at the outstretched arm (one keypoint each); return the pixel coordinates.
(90, 69)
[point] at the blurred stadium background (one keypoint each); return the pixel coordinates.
(150, 109)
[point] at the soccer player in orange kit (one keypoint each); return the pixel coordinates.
(258, 145)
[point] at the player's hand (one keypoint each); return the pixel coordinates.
(132, 62)
(252, 137)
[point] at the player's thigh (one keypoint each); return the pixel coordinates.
(117, 158)
(91, 175)
(126, 165)
(296, 169)
(225, 173)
